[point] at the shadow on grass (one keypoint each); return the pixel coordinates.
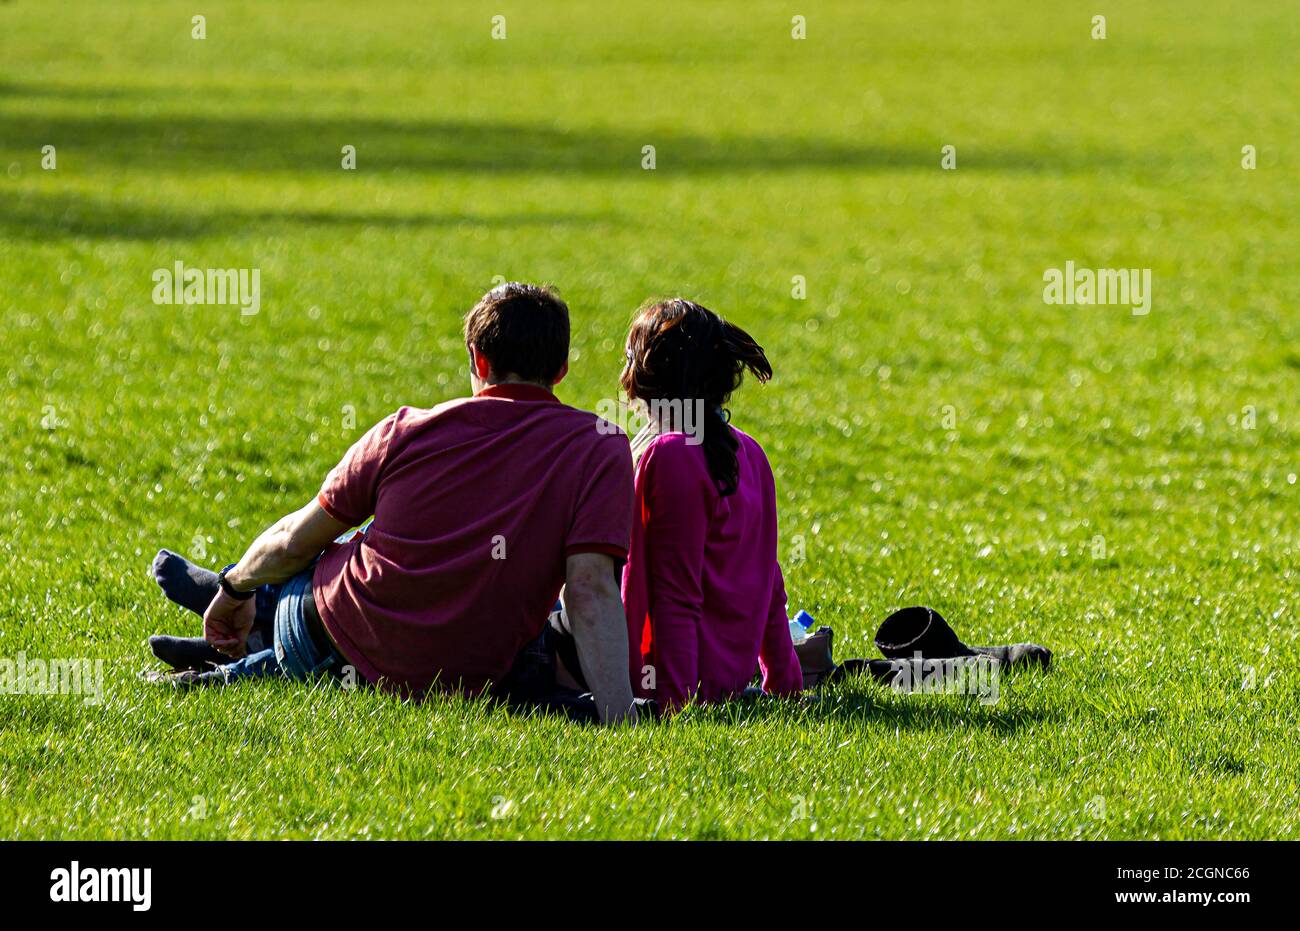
(63, 91)
(855, 700)
(36, 216)
(864, 703)
(293, 143)
(167, 143)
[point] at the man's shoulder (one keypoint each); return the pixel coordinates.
(411, 417)
(408, 418)
(587, 433)
(594, 433)
(409, 423)
(599, 424)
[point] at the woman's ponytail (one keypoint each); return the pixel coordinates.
(742, 347)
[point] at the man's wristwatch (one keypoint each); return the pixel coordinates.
(230, 589)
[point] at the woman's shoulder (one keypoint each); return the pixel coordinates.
(750, 445)
(675, 457)
(754, 461)
(674, 447)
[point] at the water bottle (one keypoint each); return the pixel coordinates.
(800, 624)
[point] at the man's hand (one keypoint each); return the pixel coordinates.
(228, 622)
(282, 551)
(595, 612)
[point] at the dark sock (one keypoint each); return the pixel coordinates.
(197, 653)
(187, 652)
(193, 588)
(190, 586)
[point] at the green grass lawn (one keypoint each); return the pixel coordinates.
(1120, 488)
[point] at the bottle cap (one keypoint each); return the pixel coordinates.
(805, 620)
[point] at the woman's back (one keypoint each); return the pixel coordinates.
(703, 589)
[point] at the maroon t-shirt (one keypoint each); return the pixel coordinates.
(477, 502)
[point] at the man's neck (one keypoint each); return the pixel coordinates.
(519, 381)
(517, 389)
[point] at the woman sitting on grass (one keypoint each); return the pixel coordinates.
(702, 588)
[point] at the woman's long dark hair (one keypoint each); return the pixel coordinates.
(680, 351)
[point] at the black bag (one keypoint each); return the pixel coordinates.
(902, 636)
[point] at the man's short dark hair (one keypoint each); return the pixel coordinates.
(522, 330)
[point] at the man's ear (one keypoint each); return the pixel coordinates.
(479, 363)
(564, 370)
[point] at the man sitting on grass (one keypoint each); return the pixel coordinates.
(484, 507)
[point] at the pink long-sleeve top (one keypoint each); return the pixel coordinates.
(702, 586)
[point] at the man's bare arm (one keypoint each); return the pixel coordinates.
(285, 548)
(595, 613)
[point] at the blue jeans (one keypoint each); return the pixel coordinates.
(294, 655)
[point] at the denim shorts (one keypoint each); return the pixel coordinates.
(294, 653)
(299, 657)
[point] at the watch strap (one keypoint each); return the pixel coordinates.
(230, 589)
